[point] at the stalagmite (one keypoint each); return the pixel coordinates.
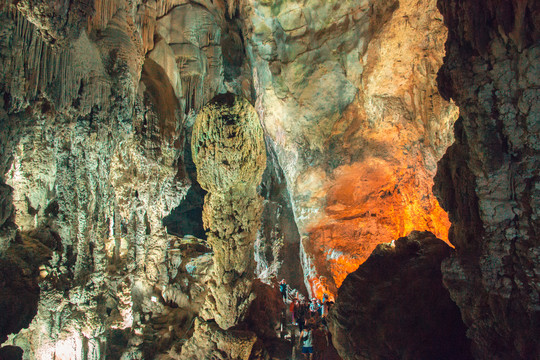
(229, 153)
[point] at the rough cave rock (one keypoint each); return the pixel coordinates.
(394, 306)
(164, 162)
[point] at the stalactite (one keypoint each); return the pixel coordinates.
(232, 6)
(164, 6)
(192, 88)
(146, 24)
(104, 12)
(56, 73)
(41, 65)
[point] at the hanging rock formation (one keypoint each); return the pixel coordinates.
(348, 97)
(488, 181)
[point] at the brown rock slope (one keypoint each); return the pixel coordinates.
(488, 181)
(395, 306)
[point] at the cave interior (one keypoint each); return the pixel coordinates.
(166, 164)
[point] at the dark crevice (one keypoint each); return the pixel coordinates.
(186, 218)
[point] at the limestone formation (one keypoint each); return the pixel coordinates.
(348, 96)
(229, 153)
(192, 34)
(101, 205)
(396, 307)
(211, 342)
(488, 180)
(89, 159)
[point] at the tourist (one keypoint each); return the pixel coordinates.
(313, 307)
(320, 308)
(283, 289)
(291, 309)
(320, 341)
(306, 340)
(324, 298)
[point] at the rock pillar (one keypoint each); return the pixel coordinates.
(229, 153)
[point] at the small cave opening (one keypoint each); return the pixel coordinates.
(186, 218)
(11, 352)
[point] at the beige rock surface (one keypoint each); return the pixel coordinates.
(229, 153)
(348, 97)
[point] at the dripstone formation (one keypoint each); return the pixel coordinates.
(126, 132)
(229, 153)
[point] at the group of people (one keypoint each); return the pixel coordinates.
(310, 317)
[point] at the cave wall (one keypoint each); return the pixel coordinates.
(98, 101)
(378, 90)
(91, 159)
(488, 180)
(347, 95)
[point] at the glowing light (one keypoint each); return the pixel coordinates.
(69, 349)
(370, 203)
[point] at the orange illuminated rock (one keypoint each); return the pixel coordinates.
(350, 102)
(383, 196)
(370, 203)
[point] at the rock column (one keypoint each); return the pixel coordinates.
(229, 153)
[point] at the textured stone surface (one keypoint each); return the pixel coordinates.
(57, 21)
(488, 180)
(192, 35)
(277, 248)
(21, 267)
(94, 115)
(229, 153)
(211, 342)
(347, 95)
(89, 156)
(230, 157)
(396, 307)
(97, 103)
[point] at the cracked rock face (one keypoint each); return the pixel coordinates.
(488, 180)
